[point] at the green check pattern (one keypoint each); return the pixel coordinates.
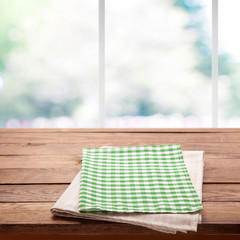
(149, 179)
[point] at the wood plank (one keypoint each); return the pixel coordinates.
(46, 193)
(62, 161)
(97, 230)
(100, 130)
(212, 148)
(31, 193)
(56, 137)
(31, 213)
(44, 149)
(37, 175)
(222, 156)
(35, 213)
(39, 161)
(221, 212)
(76, 149)
(134, 138)
(215, 171)
(221, 192)
(220, 170)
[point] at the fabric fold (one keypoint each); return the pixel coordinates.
(67, 204)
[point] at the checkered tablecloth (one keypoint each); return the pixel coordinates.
(150, 179)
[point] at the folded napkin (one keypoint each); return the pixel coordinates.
(146, 179)
(67, 205)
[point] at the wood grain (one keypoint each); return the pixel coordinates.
(37, 175)
(113, 130)
(222, 170)
(222, 156)
(221, 192)
(42, 162)
(31, 193)
(50, 193)
(69, 161)
(134, 138)
(215, 171)
(76, 148)
(39, 213)
(39, 161)
(103, 231)
(221, 212)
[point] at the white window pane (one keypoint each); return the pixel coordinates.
(48, 63)
(229, 63)
(158, 63)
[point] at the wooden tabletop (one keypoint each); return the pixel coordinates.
(37, 165)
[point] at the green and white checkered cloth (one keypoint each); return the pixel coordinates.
(149, 179)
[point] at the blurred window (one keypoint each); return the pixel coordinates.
(48, 63)
(157, 61)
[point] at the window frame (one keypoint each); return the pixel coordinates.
(214, 63)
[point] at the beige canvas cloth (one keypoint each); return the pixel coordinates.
(67, 204)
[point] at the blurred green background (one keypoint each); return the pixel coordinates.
(158, 65)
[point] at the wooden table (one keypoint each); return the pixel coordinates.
(37, 165)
